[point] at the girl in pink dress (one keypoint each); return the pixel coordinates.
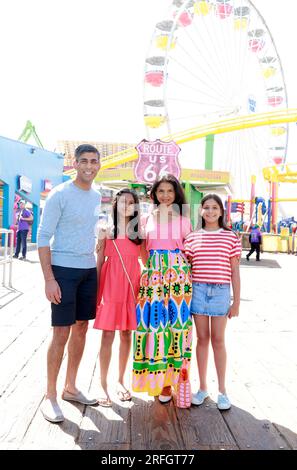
(119, 272)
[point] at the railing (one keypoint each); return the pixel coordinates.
(7, 256)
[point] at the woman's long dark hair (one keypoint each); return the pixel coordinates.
(221, 221)
(179, 200)
(133, 229)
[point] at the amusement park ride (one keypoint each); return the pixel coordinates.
(213, 70)
(28, 132)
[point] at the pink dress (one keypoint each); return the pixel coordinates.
(116, 308)
(170, 236)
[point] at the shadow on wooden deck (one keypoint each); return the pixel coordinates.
(7, 295)
(148, 425)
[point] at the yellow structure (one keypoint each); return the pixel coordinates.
(127, 174)
(281, 174)
(273, 243)
(220, 127)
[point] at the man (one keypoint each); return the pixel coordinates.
(69, 268)
(255, 239)
(23, 219)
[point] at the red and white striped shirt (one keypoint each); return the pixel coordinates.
(211, 253)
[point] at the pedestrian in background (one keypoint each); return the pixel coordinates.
(255, 239)
(24, 220)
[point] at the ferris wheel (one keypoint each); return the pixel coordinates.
(211, 60)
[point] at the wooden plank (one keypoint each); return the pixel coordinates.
(27, 283)
(248, 424)
(87, 377)
(22, 400)
(155, 426)
(7, 296)
(277, 404)
(203, 427)
(29, 297)
(104, 446)
(261, 382)
(104, 428)
(252, 433)
(217, 447)
(44, 435)
(289, 436)
(281, 367)
(12, 329)
(15, 358)
(267, 394)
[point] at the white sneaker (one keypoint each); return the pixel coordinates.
(223, 402)
(199, 397)
(51, 410)
(165, 398)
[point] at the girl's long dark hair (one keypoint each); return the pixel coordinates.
(221, 221)
(133, 229)
(180, 199)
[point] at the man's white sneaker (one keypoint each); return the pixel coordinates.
(51, 410)
(223, 402)
(199, 397)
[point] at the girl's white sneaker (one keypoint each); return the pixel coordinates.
(223, 402)
(199, 397)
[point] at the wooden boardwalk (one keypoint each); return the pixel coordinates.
(262, 376)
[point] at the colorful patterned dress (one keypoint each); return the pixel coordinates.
(162, 341)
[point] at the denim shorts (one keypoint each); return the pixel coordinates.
(210, 299)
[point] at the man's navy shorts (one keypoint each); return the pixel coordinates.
(79, 295)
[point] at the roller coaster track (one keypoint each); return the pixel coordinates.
(228, 125)
(220, 127)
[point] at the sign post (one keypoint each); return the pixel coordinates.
(156, 159)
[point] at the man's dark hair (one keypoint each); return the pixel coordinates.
(85, 148)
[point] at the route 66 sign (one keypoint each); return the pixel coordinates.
(156, 159)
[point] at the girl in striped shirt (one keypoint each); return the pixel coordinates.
(214, 252)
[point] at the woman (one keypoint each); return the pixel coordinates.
(162, 341)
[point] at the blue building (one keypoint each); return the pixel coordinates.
(27, 171)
